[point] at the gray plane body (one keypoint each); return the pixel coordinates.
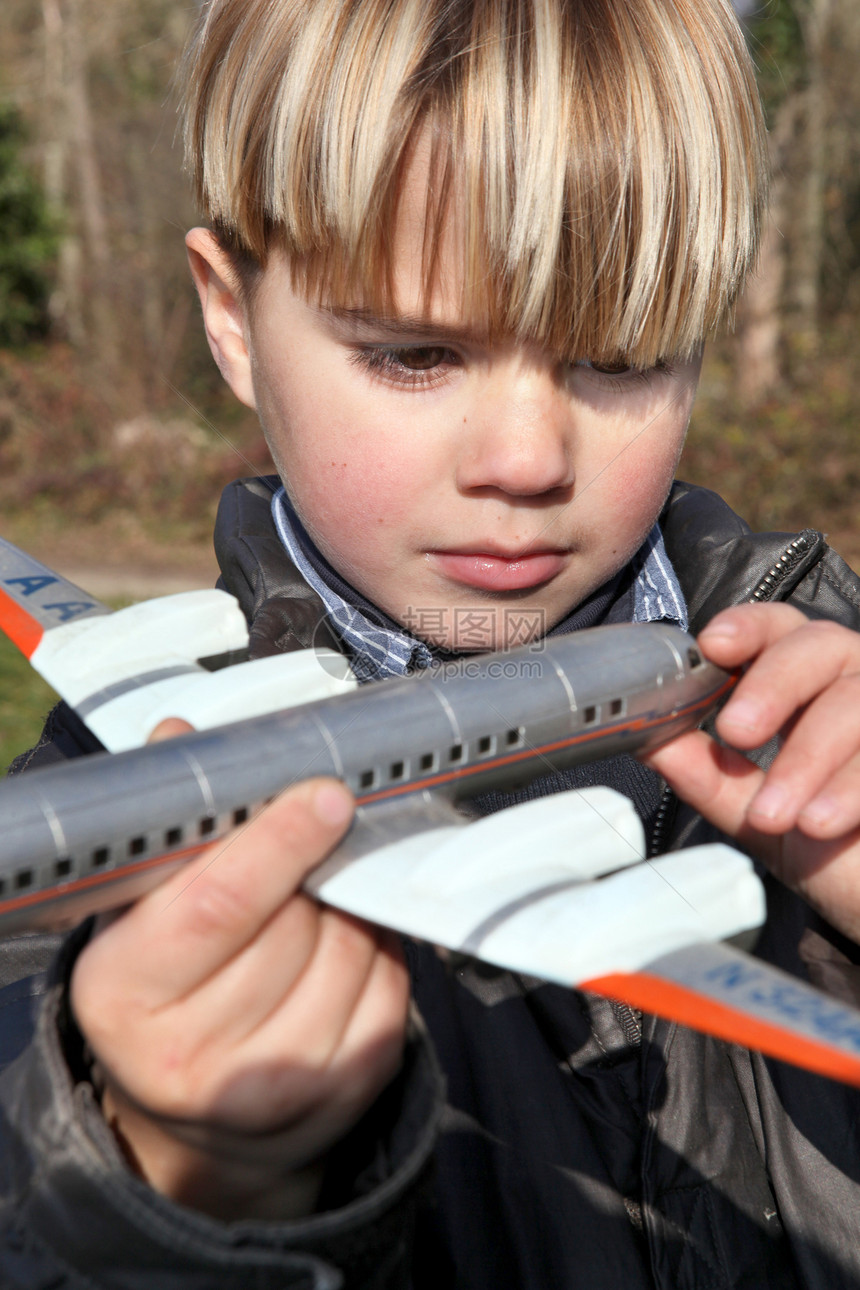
(93, 833)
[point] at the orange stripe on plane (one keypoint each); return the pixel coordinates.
(633, 726)
(102, 878)
(677, 1003)
(22, 628)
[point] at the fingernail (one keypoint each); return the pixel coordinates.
(722, 627)
(742, 713)
(820, 811)
(770, 803)
(332, 804)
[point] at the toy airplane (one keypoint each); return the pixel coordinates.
(555, 888)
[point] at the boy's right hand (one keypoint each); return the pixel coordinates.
(241, 1029)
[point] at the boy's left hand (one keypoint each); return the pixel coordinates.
(801, 817)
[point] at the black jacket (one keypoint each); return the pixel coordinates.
(581, 1145)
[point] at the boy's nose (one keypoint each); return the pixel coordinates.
(519, 439)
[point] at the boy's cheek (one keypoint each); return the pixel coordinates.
(349, 504)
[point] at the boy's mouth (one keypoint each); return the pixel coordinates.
(487, 571)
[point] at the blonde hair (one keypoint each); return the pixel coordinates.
(606, 156)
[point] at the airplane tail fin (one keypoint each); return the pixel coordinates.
(35, 600)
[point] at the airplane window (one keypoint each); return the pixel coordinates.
(136, 846)
(428, 761)
(23, 878)
(589, 715)
(62, 868)
(396, 770)
(485, 744)
(367, 779)
(240, 815)
(514, 737)
(173, 837)
(207, 825)
(694, 658)
(616, 708)
(456, 753)
(101, 856)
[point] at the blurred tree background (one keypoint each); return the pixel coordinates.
(114, 425)
(776, 428)
(116, 435)
(29, 245)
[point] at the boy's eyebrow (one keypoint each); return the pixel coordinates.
(357, 319)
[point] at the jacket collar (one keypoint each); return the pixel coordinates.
(718, 560)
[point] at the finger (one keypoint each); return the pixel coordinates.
(824, 872)
(718, 782)
(835, 810)
(790, 668)
(368, 1057)
(345, 1013)
(268, 976)
(215, 1054)
(336, 1083)
(372, 1044)
(736, 635)
(822, 744)
(169, 729)
(335, 977)
(292, 1057)
(333, 980)
(178, 935)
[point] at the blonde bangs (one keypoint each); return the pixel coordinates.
(606, 157)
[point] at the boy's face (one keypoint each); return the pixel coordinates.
(474, 490)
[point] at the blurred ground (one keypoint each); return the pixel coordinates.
(115, 570)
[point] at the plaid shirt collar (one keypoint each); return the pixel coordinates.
(379, 647)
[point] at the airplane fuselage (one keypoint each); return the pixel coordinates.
(92, 833)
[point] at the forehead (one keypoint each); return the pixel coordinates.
(428, 257)
(426, 292)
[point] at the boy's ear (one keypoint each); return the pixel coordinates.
(224, 315)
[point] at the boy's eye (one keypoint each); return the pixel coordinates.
(607, 367)
(415, 365)
(421, 359)
(620, 373)
(611, 369)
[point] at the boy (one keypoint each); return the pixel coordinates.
(462, 261)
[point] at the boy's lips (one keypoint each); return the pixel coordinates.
(488, 571)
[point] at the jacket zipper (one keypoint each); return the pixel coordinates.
(662, 819)
(776, 575)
